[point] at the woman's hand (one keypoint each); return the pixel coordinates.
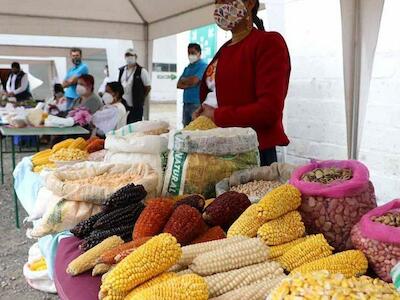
(197, 113)
(208, 111)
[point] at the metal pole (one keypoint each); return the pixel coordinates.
(1, 159)
(15, 197)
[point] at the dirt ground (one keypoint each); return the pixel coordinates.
(14, 244)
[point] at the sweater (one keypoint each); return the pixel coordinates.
(252, 79)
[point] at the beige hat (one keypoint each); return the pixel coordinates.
(131, 51)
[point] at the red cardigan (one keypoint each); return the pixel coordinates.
(252, 81)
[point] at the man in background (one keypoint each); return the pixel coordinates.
(190, 82)
(18, 84)
(137, 85)
(78, 69)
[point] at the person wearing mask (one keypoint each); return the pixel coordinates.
(113, 114)
(249, 76)
(102, 88)
(190, 82)
(86, 96)
(18, 84)
(71, 79)
(137, 85)
(58, 103)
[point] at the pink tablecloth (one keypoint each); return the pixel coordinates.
(82, 287)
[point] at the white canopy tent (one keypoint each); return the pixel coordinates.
(142, 21)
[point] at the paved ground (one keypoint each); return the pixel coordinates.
(13, 243)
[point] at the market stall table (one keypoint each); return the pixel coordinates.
(12, 132)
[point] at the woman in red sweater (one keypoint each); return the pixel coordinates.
(246, 83)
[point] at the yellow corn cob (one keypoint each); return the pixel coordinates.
(79, 143)
(238, 255)
(201, 123)
(349, 263)
(282, 230)
(41, 158)
(276, 251)
(190, 252)
(222, 283)
(149, 260)
(183, 287)
(62, 145)
(279, 202)
(247, 224)
(256, 291)
(150, 283)
(87, 260)
(311, 249)
(100, 269)
(323, 285)
(103, 277)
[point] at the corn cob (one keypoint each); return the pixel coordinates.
(276, 251)
(349, 263)
(279, 202)
(121, 216)
(196, 201)
(176, 268)
(153, 218)
(256, 291)
(212, 234)
(150, 283)
(40, 168)
(103, 277)
(79, 143)
(41, 158)
(97, 236)
(100, 269)
(119, 257)
(226, 209)
(153, 258)
(248, 223)
(189, 253)
(84, 228)
(311, 249)
(183, 287)
(185, 272)
(248, 252)
(95, 146)
(125, 196)
(282, 230)
(88, 260)
(92, 139)
(108, 257)
(201, 123)
(222, 283)
(323, 285)
(62, 145)
(185, 224)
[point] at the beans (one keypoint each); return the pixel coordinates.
(256, 188)
(335, 217)
(382, 257)
(390, 219)
(328, 175)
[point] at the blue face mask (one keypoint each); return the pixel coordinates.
(76, 61)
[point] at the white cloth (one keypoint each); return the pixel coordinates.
(11, 84)
(102, 88)
(127, 82)
(122, 115)
(111, 117)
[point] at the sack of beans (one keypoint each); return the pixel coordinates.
(256, 182)
(378, 236)
(336, 194)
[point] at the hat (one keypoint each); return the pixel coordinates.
(130, 51)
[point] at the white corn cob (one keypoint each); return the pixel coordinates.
(222, 283)
(184, 272)
(238, 255)
(190, 252)
(255, 291)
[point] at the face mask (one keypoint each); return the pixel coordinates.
(107, 98)
(81, 90)
(130, 60)
(193, 58)
(59, 95)
(76, 61)
(228, 16)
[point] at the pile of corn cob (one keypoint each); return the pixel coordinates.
(118, 217)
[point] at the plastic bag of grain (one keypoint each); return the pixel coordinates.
(396, 276)
(256, 182)
(331, 205)
(378, 236)
(199, 159)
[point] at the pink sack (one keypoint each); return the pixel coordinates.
(379, 242)
(333, 209)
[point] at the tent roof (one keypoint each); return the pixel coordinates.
(123, 19)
